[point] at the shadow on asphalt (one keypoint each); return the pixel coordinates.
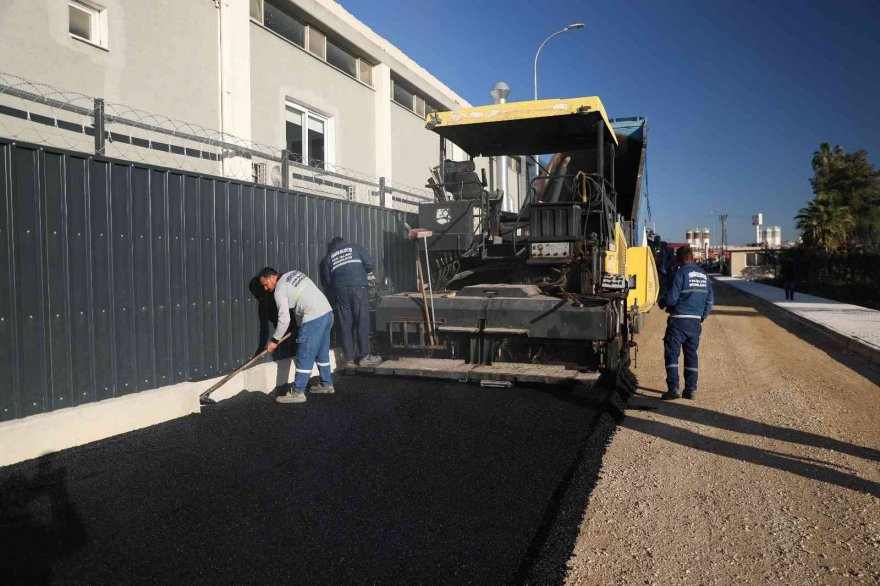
(814, 337)
(38, 523)
(386, 482)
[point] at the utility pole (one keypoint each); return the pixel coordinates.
(723, 218)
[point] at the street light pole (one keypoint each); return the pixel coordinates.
(573, 26)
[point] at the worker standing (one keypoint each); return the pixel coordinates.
(688, 300)
(790, 271)
(297, 294)
(345, 274)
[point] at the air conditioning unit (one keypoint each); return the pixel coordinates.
(276, 176)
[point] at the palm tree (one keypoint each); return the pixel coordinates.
(826, 158)
(825, 223)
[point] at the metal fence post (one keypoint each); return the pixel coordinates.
(382, 191)
(285, 169)
(98, 125)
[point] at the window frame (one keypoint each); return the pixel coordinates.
(329, 127)
(97, 23)
(320, 39)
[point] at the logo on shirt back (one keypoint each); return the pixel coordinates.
(341, 257)
(697, 279)
(295, 278)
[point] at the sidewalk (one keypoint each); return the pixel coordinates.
(856, 328)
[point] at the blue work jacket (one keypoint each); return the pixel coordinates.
(690, 293)
(346, 265)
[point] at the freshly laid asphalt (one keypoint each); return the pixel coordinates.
(388, 481)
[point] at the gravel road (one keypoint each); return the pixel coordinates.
(771, 476)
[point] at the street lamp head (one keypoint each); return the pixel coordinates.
(574, 26)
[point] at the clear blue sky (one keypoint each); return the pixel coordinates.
(737, 94)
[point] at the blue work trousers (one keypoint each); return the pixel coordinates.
(682, 333)
(313, 345)
(353, 313)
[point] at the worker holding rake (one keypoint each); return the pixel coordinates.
(297, 294)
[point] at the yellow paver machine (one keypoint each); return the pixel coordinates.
(540, 285)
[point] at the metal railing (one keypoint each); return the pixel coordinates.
(39, 113)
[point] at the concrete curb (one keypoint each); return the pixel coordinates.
(840, 341)
(38, 435)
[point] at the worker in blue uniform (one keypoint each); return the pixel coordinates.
(345, 274)
(688, 301)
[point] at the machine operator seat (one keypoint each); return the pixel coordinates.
(463, 181)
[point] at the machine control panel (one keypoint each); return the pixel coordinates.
(550, 250)
(613, 282)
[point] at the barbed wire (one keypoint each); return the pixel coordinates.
(39, 113)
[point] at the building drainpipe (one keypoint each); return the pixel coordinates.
(221, 86)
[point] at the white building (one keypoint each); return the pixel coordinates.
(298, 74)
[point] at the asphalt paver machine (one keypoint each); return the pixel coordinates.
(540, 286)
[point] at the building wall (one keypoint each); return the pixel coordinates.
(737, 263)
(214, 67)
(281, 71)
(162, 55)
(413, 147)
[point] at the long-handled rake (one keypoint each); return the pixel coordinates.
(205, 398)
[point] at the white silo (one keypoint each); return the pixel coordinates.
(706, 239)
(775, 236)
(690, 238)
(698, 239)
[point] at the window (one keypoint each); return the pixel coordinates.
(307, 136)
(285, 25)
(341, 59)
(257, 10)
(411, 100)
(87, 22)
(317, 43)
(270, 14)
(403, 96)
(365, 72)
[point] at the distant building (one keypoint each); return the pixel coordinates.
(748, 262)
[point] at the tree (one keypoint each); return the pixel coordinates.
(826, 223)
(845, 184)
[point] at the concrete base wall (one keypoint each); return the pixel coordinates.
(38, 435)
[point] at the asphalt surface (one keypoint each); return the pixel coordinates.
(387, 481)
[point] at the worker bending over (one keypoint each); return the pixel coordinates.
(297, 294)
(345, 273)
(688, 300)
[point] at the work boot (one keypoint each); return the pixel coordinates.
(291, 397)
(370, 360)
(323, 389)
(349, 365)
(671, 395)
(690, 394)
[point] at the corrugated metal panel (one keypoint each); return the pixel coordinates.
(116, 277)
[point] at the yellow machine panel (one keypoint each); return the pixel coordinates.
(616, 258)
(640, 262)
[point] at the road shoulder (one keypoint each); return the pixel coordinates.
(771, 475)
